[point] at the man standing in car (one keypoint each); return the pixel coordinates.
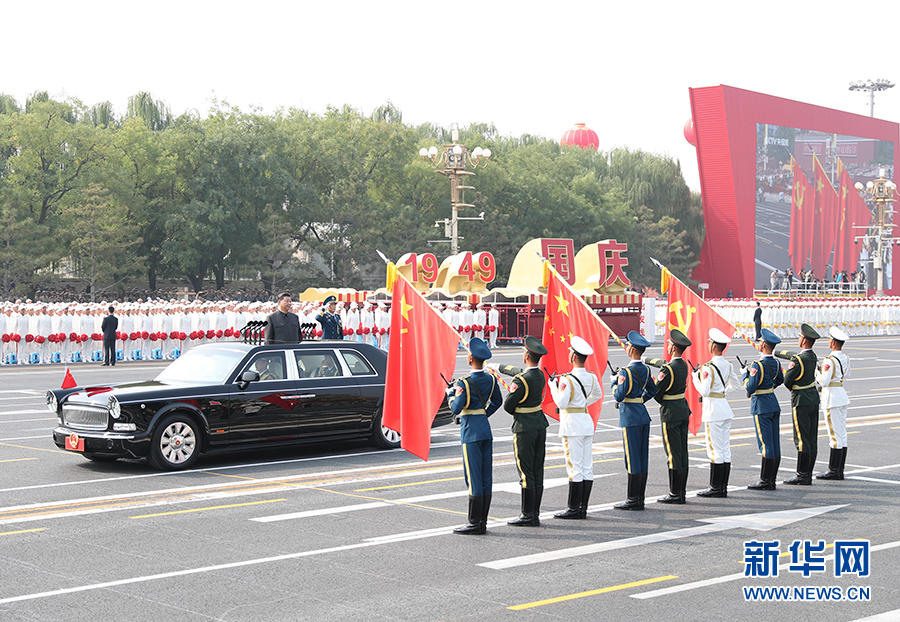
(283, 326)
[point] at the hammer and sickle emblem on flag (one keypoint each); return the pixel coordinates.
(681, 322)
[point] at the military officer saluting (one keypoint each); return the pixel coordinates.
(760, 379)
(800, 379)
(475, 398)
(629, 388)
(529, 429)
(330, 321)
(835, 368)
(674, 412)
(712, 380)
(573, 393)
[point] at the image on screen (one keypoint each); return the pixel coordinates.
(815, 231)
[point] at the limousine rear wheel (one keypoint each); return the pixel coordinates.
(176, 443)
(382, 437)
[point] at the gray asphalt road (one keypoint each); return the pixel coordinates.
(347, 532)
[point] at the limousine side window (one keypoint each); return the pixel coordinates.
(318, 365)
(358, 365)
(269, 366)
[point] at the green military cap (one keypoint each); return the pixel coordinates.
(534, 345)
(809, 332)
(679, 338)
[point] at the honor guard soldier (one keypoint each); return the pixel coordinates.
(529, 429)
(761, 378)
(629, 387)
(573, 393)
(712, 380)
(475, 398)
(800, 378)
(835, 368)
(674, 413)
(330, 321)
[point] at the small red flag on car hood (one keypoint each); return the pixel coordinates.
(69, 381)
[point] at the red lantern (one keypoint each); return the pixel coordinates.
(581, 136)
(689, 134)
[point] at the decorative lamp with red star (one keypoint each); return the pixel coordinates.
(582, 136)
(689, 134)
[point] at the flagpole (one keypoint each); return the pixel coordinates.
(581, 300)
(465, 343)
(672, 276)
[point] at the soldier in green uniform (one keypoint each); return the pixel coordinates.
(529, 428)
(800, 379)
(674, 413)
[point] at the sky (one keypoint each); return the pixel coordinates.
(622, 68)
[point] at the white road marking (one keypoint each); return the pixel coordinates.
(762, 522)
(887, 616)
(875, 479)
(737, 576)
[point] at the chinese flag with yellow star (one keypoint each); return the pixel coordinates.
(423, 346)
(691, 315)
(567, 315)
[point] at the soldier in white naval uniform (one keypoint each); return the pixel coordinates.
(712, 380)
(573, 393)
(834, 402)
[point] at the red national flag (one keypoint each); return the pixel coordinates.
(826, 219)
(802, 205)
(568, 315)
(423, 346)
(69, 380)
(691, 315)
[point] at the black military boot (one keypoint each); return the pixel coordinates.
(684, 477)
(766, 476)
(834, 466)
(538, 496)
(723, 487)
(675, 495)
(485, 508)
(803, 477)
(585, 495)
(474, 526)
(573, 506)
(526, 519)
(633, 502)
(716, 477)
(642, 488)
(843, 461)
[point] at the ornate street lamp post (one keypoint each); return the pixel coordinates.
(881, 192)
(455, 159)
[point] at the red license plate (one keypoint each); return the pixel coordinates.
(74, 442)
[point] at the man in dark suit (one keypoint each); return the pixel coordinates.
(108, 327)
(283, 326)
(800, 378)
(757, 321)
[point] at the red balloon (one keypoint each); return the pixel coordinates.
(689, 134)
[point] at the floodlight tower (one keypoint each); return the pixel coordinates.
(871, 87)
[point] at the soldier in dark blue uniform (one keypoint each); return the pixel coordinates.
(475, 398)
(800, 378)
(761, 378)
(632, 386)
(330, 321)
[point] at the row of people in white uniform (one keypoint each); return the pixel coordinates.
(856, 317)
(40, 333)
(477, 320)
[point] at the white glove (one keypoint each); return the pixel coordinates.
(449, 391)
(745, 370)
(613, 376)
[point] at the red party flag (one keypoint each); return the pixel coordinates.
(827, 215)
(69, 381)
(569, 315)
(691, 315)
(423, 346)
(802, 218)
